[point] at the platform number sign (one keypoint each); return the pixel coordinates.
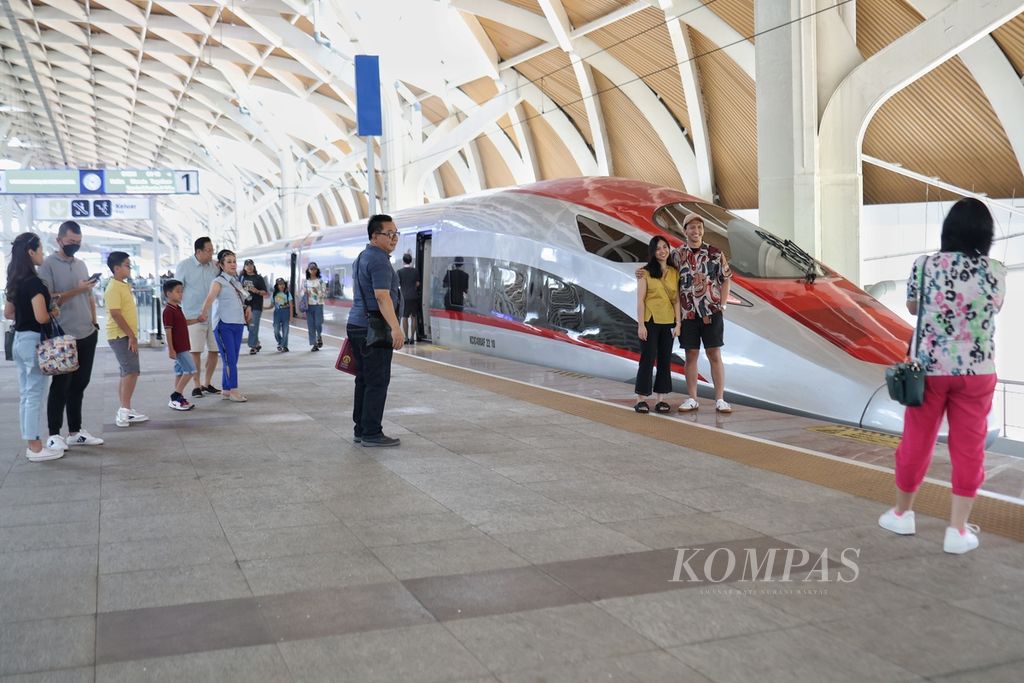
(186, 182)
(80, 208)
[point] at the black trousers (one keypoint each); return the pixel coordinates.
(657, 349)
(373, 375)
(67, 391)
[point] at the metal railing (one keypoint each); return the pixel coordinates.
(1010, 393)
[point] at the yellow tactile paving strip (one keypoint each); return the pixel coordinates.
(857, 434)
(993, 515)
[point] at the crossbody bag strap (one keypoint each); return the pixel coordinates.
(920, 312)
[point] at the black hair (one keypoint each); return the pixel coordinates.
(221, 255)
(281, 281)
(250, 262)
(201, 243)
(374, 225)
(20, 267)
(653, 267)
(68, 226)
(407, 258)
(309, 276)
(170, 285)
(968, 228)
(116, 258)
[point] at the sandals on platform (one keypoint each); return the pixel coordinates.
(642, 407)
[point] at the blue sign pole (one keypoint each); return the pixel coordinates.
(368, 116)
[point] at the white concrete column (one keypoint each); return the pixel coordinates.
(787, 120)
(289, 182)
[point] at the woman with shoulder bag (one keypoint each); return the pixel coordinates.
(28, 304)
(657, 315)
(962, 291)
(230, 316)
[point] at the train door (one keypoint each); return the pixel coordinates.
(423, 263)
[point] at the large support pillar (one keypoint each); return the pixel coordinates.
(289, 184)
(787, 120)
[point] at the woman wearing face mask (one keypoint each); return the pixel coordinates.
(28, 305)
(230, 316)
(315, 291)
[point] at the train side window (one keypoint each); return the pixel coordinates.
(564, 308)
(509, 292)
(609, 243)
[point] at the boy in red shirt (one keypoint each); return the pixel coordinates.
(178, 345)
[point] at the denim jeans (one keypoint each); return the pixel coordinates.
(229, 341)
(281, 325)
(315, 322)
(373, 375)
(31, 382)
(254, 328)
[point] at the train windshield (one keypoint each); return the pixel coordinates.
(752, 252)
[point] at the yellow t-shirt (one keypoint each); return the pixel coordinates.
(119, 296)
(659, 303)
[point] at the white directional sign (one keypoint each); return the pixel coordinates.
(109, 208)
(99, 181)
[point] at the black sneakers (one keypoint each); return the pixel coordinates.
(210, 389)
(197, 393)
(381, 441)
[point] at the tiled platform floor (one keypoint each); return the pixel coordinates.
(501, 541)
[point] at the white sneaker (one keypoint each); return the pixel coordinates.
(43, 454)
(84, 438)
(121, 419)
(136, 417)
(688, 405)
(898, 524)
(959, 543)
(722, 407)
(56, 443)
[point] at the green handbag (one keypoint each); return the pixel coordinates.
(905, 380)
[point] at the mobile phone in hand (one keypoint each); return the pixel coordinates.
(95, 277)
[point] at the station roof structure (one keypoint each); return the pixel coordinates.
(259, 95)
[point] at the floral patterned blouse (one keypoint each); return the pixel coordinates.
(316, 292)
(962, 295)
(702, 272)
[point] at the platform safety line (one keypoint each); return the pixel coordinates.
(997, 514)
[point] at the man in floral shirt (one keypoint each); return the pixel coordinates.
(704, 277)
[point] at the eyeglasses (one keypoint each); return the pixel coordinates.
(389, 235)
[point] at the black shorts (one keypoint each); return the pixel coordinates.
(695, 332)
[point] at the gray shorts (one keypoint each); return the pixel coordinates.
(128, 360)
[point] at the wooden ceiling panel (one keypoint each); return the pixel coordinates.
(553, 158)
(508, 42)
(942, 125)
(553, 74)
(636, 149)
(585, 11)
(730, 105)
(641, 42)
(433, 108)
(1010, 37)
(450, 184)
(496, 172)
(531, 5)
(737, 13)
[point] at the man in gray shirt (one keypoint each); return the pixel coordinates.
(197, 273)
(70, 286)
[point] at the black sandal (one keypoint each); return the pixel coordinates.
(662, 407)
(642, 407)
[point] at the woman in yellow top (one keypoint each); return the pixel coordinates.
(657, 315)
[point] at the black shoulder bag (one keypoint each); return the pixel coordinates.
(905, 380)
(378, 332)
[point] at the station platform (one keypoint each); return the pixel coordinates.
(521, 532)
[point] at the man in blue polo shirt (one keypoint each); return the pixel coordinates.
(375, 296)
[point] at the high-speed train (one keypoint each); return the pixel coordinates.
(552, 266)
